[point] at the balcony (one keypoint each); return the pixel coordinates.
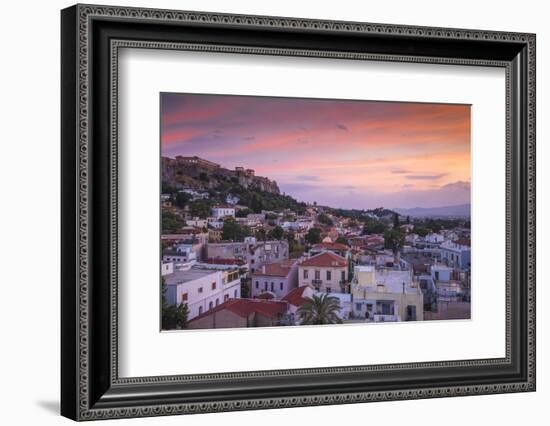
(386, 318)
(316, 282)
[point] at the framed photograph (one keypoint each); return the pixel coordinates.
(264, 212)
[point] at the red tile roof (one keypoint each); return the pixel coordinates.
(277, 269)
(325, 259)
(463, 241)
(331, 246)
(296, 296)
(216, 261)
(245, 307)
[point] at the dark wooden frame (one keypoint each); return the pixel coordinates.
(90, 386)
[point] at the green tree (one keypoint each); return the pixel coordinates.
(245, 288)
(200, 208)
(373, 227)
(260, 234)
(233, 231)
(394, 240)
(171, 222)
(173, 316)
(395, 221)
(322, 309)
(181, 199)
(243, 212)
(313, 236)
(324, 219)
(342, 240)
(421, 231)
(276, 233)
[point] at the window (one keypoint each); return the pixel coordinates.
(411, 313)
(358, 306)
(217, 302)
(200, 310)
(257, 284)
(214, 286)
(272, 287)
(317, 275)
(210, 305)
(329, 289)
(226, 298)
(200, 289)
(235, 294)
(343, 275)
(329, 275)
(281, 287)
(306, 273)
(265, 286)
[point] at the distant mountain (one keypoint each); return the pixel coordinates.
(461, 210)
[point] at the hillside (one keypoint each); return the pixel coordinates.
(255, 192)
(458, 211)
(197, 173)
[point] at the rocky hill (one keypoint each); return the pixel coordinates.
(201, 174)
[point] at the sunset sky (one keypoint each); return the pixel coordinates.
(350, 154)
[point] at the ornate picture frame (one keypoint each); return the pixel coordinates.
(91, 37)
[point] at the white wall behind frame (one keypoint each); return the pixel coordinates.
(145, 73)
(30, 88)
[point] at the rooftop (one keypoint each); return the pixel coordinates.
(277, 269)
(392, 281)
(246, 307)
(296, 296)
(325, 259)
(191, 274)
(331, 246)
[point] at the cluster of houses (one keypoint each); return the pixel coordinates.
(259, 282)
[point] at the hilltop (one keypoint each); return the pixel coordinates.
(255, 192)
(197, 173)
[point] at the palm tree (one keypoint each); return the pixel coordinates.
(394, 240)
(321, 309)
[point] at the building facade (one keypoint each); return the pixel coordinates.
(224, 210)
(326, 272)
(277, 278)
(456, 255)
(250, 251)
(202, 288)
(386, 295)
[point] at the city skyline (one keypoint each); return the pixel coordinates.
(341, 153)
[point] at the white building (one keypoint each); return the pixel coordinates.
(456, 255)
(386, 295)
(223, 211)
(250, 251)
(202, 288)
(434, 238)
(197, 222)
(441, 272)
(232, 199)
(166, 268)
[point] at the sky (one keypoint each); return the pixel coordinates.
(340, 153)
